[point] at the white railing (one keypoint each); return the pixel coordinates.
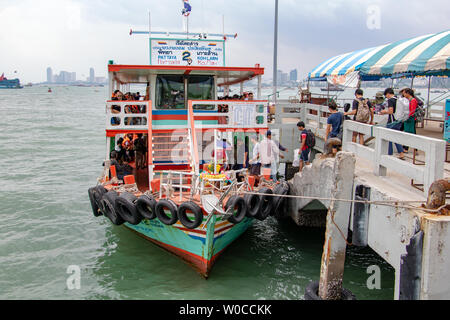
(232, 114)
(131, 115)
(434, 150)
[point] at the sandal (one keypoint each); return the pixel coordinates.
(401, 158)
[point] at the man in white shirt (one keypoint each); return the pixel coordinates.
(268, 155)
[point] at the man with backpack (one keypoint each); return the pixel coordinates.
(335, 123)
(307, 142)
(398, 112)
(362, 111)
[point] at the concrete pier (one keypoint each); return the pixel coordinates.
(415, 243)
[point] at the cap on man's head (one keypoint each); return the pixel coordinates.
(269, 133)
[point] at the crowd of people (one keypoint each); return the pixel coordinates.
(128, 149)
(134, 108)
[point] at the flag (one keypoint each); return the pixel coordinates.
(187, 8)
(2, 77)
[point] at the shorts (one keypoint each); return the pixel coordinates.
(304, 155)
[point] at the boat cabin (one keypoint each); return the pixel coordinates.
(181, 116)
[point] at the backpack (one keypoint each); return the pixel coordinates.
(310, 139)
(419, 114)
(341, 128)
(363, 112)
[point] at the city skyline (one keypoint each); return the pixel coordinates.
(71, 77)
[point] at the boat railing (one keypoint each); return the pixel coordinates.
(426, 173)
(231, 113)
(132, 115)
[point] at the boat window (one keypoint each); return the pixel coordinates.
(201, 88)
(169, 92)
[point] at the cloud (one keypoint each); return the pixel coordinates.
(74, 35)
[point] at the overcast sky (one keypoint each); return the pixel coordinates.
(74, 35)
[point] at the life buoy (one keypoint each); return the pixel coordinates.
(265, 203)
(108, 206)
(312, 292)
(163, 205)
(239, 209)
(146, 207)
(125, 206)
(95, 195)
(252, 203)
(195, 210)
(277, 209)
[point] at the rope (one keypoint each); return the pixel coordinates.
(389, 203)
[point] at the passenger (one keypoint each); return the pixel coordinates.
(334, 122)
(410, 124)
(140, 151)
(395, 112)
(241, 155)
(127, 145)
(304, 149)
(268, 155)
(121, 153)
(255, 169)
(123, 169)
(250, 96)
(361, 114)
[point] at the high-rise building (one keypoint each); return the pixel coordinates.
(73, 76)
(49, 75)
(91, 75)
(293, 75)
(279, 75)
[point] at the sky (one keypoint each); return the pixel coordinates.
(74, 35)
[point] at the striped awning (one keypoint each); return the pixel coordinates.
(418, 55)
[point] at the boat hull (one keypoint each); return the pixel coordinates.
(199, 248)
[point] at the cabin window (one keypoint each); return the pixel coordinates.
(170, 91)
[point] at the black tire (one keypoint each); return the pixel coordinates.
(265, 204)
(162, 216)
(108, 203)
(146, 207)
(95, 196)
(252, 202)
(185, 220)
(312, 292)
(239, 203)
(278, 202)
(125, 206)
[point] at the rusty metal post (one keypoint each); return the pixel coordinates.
(333, 256)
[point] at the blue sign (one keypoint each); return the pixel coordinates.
(447, 121)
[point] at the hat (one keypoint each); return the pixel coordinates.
(269, 133)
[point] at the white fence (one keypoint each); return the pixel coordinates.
(127, 115)
(434, 150)
(231, 114)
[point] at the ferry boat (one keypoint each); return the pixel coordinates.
(9, 83)
(182, 194)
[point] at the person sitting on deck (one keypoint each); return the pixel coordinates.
(140, 150)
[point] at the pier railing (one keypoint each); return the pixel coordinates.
(427, 173)
(230, 114)
(131, 115)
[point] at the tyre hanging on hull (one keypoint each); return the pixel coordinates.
(252, 202)
(278, 202)
(108, 205)
(164, 205)
(146, 207)
(190, 208)
(265, 203)
(239, 209)
(95, 196)
(125, 206)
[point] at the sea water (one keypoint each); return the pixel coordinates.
(51, 150)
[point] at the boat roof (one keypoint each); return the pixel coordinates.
(225, 75)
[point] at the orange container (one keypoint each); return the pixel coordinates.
(251, 181)
(155, 185)
(128, 179)
(112, 169)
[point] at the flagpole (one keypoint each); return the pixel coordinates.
(275, 44)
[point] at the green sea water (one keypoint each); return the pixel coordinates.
(51, 152)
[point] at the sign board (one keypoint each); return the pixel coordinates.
(447, 121)
(187, 52)
(244, 114)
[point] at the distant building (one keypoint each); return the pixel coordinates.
(73, 77)
(49, 75)
(91, 75)
(293, 75)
